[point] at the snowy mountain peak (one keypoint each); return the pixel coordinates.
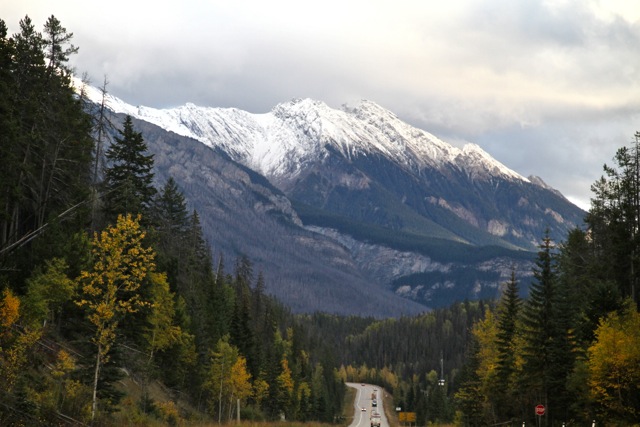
(476, 156)
(294, 133)
(368, 109)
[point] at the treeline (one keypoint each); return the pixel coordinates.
(438, 248)
(573, 345)
(417, 359)
(107, 280)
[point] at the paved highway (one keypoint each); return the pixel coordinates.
(363, 400)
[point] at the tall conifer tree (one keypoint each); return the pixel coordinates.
(46, 146)
(507, 317)
(129, 175)
(539, 328)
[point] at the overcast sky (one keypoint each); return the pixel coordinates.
(549, 88)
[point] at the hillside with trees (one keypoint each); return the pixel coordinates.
(106, 279)
(574, 344)
(115, 310)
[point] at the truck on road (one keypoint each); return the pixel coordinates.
(375, 419)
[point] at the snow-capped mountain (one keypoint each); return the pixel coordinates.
(370, 200)
(296, 133)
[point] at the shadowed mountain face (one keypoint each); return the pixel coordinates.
(242, 213)
(353, 211)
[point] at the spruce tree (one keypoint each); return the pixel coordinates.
(46, 149)
(241, 330)
(507, 317)
(128, 185)
(170, 211)
(539, 329)
(614, 220)
(171, 220)
(469, 397)
(562, 352)
(9, 148)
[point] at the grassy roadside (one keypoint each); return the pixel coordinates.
(389, 408)
(348, 409)
(130, 416)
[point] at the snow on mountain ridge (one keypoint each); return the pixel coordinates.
(294, 133)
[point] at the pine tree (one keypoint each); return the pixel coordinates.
(46, 148)
(9, 130)
(469, 397)
(507, 318)
(170, 211)
(614, 220)
(241, 331)
(129, 175)
(171, 221)
(562, 351)
(57, 53)
(539, 329)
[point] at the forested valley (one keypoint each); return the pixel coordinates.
(114, 310)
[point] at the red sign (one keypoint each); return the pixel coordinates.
(540, 410)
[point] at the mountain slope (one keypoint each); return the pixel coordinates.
(328, 158)
(403, 212)
(241, 213)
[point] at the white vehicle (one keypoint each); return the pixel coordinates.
(375, 419)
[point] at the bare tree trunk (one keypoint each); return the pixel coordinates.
(94, 403)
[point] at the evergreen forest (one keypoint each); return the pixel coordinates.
(114, 310)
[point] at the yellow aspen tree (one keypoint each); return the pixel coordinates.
(486, 331)
(64, 386)
(13, 344)
(239, 383)
(218, 377)
(389, 377)
(486, 334)
(614, 364)
(363, 372)
(285, 386)
(161, 332)
(9, 311)
(110, 290)
(260, 390)
(303, 401)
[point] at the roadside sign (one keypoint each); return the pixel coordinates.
(409, 417)
(540, 410)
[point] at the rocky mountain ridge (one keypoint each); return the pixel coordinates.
(411, 217)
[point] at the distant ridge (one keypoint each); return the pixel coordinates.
(415, 217)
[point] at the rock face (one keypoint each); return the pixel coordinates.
(243, 214)
(336, 206)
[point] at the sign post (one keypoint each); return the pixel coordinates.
(539, 413)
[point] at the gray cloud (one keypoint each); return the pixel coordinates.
(548, 87)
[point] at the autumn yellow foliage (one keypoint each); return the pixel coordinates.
(614, 364)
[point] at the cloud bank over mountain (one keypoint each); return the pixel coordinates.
(545, 86)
